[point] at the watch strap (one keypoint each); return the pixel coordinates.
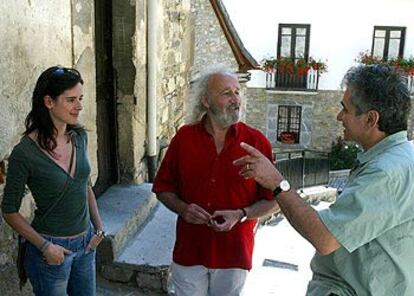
(244, 217)
(277, 191)
(100, 233)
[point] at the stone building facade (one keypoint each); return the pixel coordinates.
(217, 45)
(319, 127)
(210, 44)
(36, 35)
(108, 43)
(173, 60)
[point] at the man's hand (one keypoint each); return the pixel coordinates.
(257, 166)
(195, 214)
(55, 254)
(93, 243)
(225, 220)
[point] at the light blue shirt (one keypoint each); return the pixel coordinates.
(373, 220)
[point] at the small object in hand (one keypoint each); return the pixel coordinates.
(219, 219)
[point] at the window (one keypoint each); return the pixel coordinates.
(388, 42)
(288, 124)
(293, 41)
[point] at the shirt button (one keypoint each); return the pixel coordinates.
(213, 180)
(208, 204)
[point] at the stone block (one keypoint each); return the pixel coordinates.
(155, 280)
(117, 273)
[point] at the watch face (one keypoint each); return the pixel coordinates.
(284, 185)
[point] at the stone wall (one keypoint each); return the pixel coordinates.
(319, 126)
(36, 35)
(129, 35)
(211, 46)
(175, 62)
(193, 42)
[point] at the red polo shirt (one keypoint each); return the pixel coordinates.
(197, 174)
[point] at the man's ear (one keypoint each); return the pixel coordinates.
(373, 118)
(48, 101)
(204, 100)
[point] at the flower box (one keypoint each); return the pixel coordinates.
(288, 137)
(299, 67)
(405, 64)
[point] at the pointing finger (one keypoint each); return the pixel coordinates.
(251, 150)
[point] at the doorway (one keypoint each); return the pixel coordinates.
(108, 166)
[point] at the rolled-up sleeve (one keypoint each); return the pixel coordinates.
(16, 180)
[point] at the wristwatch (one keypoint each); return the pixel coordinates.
(100, 233)
(284, 186)
(244, 217)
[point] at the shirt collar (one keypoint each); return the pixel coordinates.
(381, 146)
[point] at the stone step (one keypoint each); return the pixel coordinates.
(124, 209)
(146, 259)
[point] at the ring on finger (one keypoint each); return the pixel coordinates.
(247, 167)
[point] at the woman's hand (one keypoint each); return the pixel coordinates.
(55, 254)
(93, 243)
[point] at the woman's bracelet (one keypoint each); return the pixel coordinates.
(44, 246)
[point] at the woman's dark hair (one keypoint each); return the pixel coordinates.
(52, 82)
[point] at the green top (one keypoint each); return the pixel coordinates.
(46, 180)
(373, 220)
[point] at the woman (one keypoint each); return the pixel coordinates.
(51, 159)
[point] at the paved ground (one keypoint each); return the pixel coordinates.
(280, 262)
(106, 288)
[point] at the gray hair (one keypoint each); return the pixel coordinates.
(381, 88)
(199, 89)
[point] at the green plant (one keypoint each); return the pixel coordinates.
(405, 64)
(343, 155)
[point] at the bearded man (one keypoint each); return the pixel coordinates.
(217, 208)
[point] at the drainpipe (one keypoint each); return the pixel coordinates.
(152, 88)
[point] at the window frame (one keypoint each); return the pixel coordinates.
(293, 40)
(387, 38)
(289, 119)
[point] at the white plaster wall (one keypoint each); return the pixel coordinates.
(339, 29)
(33, 35)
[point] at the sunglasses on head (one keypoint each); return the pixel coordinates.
(59, 71)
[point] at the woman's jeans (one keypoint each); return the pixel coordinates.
(75, 276)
